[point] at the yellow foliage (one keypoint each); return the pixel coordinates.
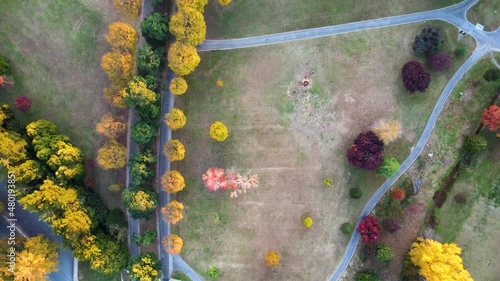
(188, 25)
(110, 127)
(272, 259)
(66, 161)
(308, 222)
(224, 2)
(172, 244)
(28, 171)
(119, 67)
(182, 58)
(438, 262)
(198, 5)
(128, 9)
(12, 149)
(219, 131)
(37, 259)
(387, 131)
(137, 92)
(172, 181)
(113, 95)
(172, 212)
(112, 156)
(72, 224)
(174, 150)
(145, 270)
(219, 83)
(178, 86)
(142, 201)
(122, 36)
(175, 119)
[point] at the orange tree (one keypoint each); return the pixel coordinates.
(172, 212)
(172, 181)
(272, 259)
(128, 9)
(172, 244)
(122, 36)
(118, 66)
(174, 150)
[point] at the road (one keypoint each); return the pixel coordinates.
(32, 226)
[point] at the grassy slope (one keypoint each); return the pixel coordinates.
(250, 18)
(487, 13)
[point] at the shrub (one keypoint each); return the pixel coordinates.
(143, 133)
(355, 193)
(440, 61)
(387, 130)
(141, 203)
(22, 103)
(388, 168)
(219, 131)
(146, 266)
(460, 52)
(391, 224)
(460, 198)
(148, 237)
(366, 151)
(475, 144)
(172, 181)
(347, 228)
(128, 9)
(4, 66)
(308, 222)
(172, 244)
(225, 2)
(491, 74)
(219, 83)
(122, 36)
(178, 86)
(366, 276)
(327, 182)
(148, 60)
(429, 41)
(384, 253)
(415, 78)
(174, 150)
(154, 29)
(175, 119)
(188, 26)
(398, 194)
(213, 272)
(369, 229)
(115, 187)
(182, 58)
(272, 259)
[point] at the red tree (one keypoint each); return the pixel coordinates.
(369, 229)
(440, 61)
(398, 194)
(22, 103)
(491, 117)
(366, 151)
(415, 78)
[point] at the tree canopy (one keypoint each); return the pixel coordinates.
(415, 78)
(182, 58)
(122, 36)
(366, 151)
(154, 29)
(188, 25)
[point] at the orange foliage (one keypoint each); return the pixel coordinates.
(122, 36)
(119, 67)
(172, 244)
(491, 117)
(272, 259)
(219, 83)
(128, 9)
(110, 127)
(172, 212)
(174, 150)
(398, 194)
(113, 95)
(172, 181)
(6, 81)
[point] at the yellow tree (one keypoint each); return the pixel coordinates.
(145, 267)
(188, 25)
(172, 244)
(178, 86)
(172, 212)
(113, 95)
(219, 131)
(224, 2)
(112, 156)
(387, 130)
(175, 119)
(137, 93)
(118, 66)
(110, 126)
(37, 259)
(198, 5)
(66, 162)
(12, 149)
(128, 9)
(28, 171)
(174, 150)
(73, 224)
(122, 36)
(272, 259)
(41, 128)
(182, 58)
(172, 181)
(438, 261)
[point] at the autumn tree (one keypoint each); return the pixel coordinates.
(141, 166)
(272, 259)
(224, 2)
(415, 78)
(172, 181)
(111, 127)
(112, 156)
(154, 29)
(238, 183)
(388, 168)
(366, 151)
(182, 58)
(198, 5)
(219, 131)
(128, 9)
(36, 260)
(106, 255)
(172, 212)
(118, 66)
(66, 162)
(174, 150)
(438, 261)
(122, 36)
(178, 86)
(145, 267)
(440, 61)
(398, 194)
(113, 95)
(28, 171)
(148, 60)
(188, 25)
(369, 229)
(175, 119)
(22, 103)
(41, 128)
(141, 203)
(172, 244)
(143, 132)
(491, 117)
(387, 130)
(12, 148)
(137, 94)
(429, 41)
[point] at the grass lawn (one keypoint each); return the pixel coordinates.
(258, 17)
(487, 13)
(54, 47)
(292, 137)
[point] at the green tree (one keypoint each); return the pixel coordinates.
(475, 144)
(388, 168)
(112, 257)
(384, 253)
(143, 133)
(140, 166)
(148, 60)
(154, 29)
(148, 237)
(141, 203)
(137, 93)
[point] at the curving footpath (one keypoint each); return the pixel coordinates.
(456, 15)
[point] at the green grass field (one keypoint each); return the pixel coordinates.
(258, 17)
(487, 13)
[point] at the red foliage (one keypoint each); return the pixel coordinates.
(440, 61)
(415, 78)
(369, 229)
(398, 194)
(366, 151)
(491, 117)
(214, 178)
(22, 103)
